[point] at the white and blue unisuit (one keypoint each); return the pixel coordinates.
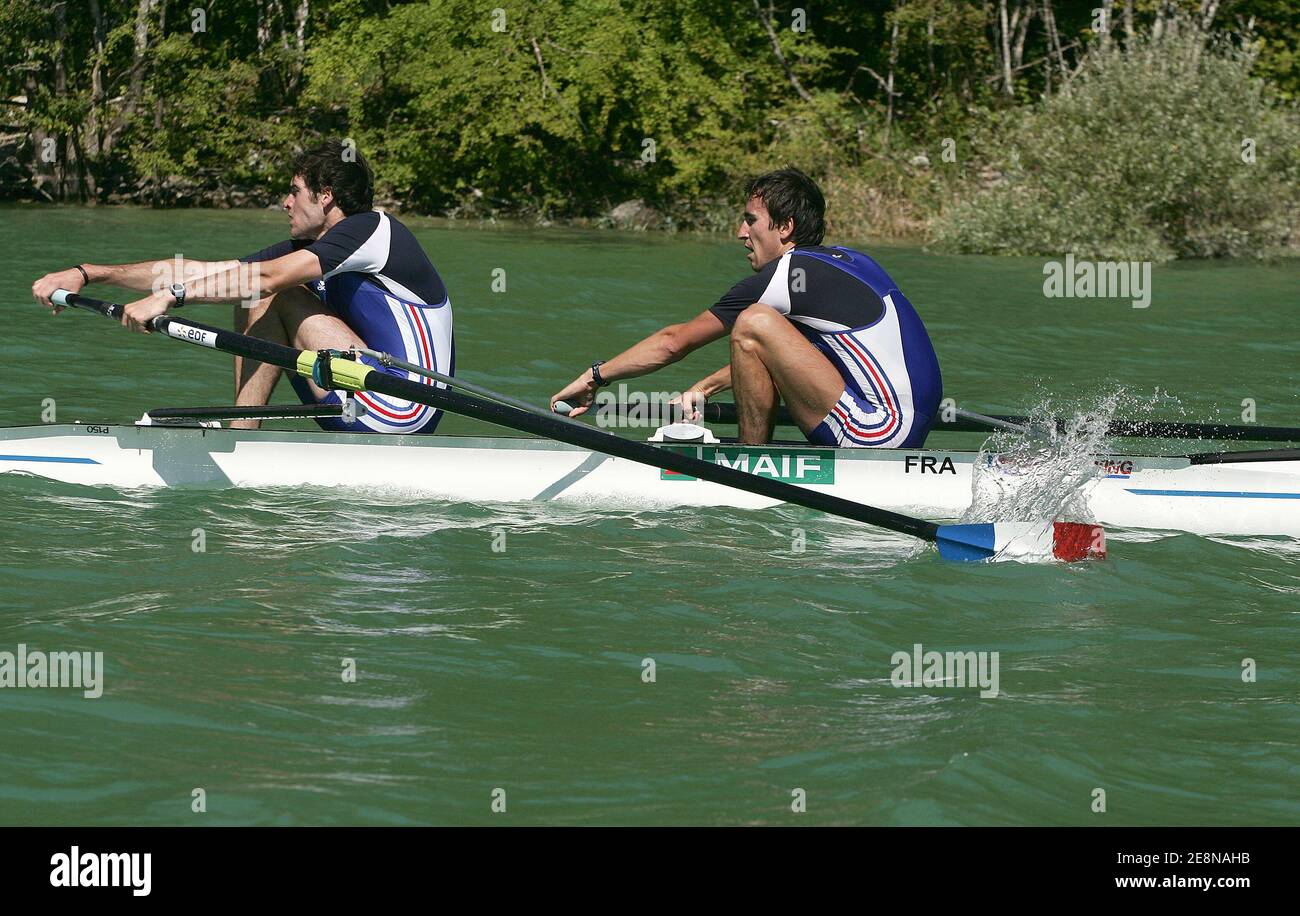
(845, 304)
(379, 281)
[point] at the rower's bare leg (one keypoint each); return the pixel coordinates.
(756, 397)
(772, 362)
(254, 381)
(293, 317)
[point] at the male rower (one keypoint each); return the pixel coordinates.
(348, 276)
(823, 329)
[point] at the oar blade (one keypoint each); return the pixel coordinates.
(1022, 542)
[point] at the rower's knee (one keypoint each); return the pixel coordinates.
(753, 325)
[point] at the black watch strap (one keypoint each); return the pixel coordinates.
(84, 276)
(596, 376)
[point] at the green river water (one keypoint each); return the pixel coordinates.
(522, 670)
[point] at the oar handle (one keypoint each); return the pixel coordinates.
(76, 300)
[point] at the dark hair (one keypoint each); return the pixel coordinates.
(790, 194)
(342, 169)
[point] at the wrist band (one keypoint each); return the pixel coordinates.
(84, 276)
(595, 374)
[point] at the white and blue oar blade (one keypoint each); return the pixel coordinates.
(1022, 542)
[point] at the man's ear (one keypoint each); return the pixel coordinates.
(325, 197)
(786, 230)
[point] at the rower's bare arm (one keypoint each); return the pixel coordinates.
(230, 285)
(143, 276)
(254, 280)
(694, 398)
(714, 383)
(662, 348)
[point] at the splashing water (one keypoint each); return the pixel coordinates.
(1048, 473)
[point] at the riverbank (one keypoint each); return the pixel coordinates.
(1160, 135)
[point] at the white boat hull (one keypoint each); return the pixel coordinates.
(1162, 493)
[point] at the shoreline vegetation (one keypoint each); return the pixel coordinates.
(1129, 129)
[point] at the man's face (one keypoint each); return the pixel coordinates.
(763, 241)
(306, 210)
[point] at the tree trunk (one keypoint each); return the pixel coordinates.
(1054, 40)
(929, 45)
(1025, 15)
(95, 120)
(1107, 11)
(42, 170)
(1209, 9)
(60, 93)
(1005, 30)
(889, 82)
(139, 62)
(766, 20)
(300, 24)
(267, 11)
(300, 42)
(156, 190)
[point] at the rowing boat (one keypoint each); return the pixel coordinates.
(906, 491)
(1229, 493)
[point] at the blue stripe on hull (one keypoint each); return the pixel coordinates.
(1220, 494)
(48, 458)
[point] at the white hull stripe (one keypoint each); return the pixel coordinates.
(888, 421)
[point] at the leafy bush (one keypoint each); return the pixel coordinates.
(1163, 124)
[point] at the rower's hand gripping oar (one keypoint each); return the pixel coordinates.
(1014, 540)
(75, 300)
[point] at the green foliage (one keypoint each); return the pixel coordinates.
(1163, 175)
(557, 108)
(210, 125)
(564, 108)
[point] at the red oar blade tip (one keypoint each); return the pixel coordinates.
(1074, 541)
(1022, 542)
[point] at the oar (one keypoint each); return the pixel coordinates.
(1014, 540)
(966, 421)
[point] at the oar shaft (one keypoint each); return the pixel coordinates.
(1159, 429)
(539, 423)
(993, 422)
(969, 422)
(75, 300)
(559, 428)
(388, 359)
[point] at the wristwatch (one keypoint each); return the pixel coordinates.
(595, 374)
(178, 290)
